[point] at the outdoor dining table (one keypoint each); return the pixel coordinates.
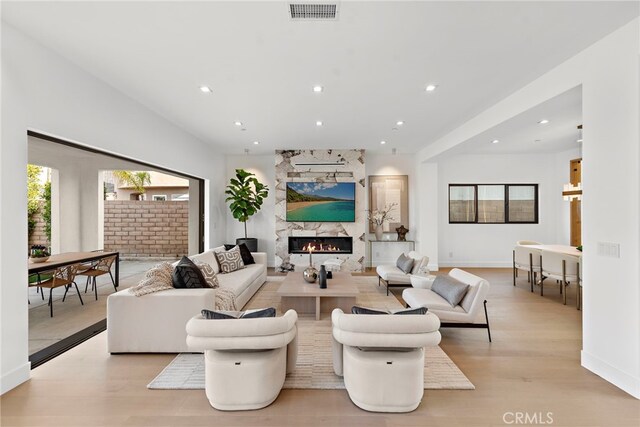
(68, 258)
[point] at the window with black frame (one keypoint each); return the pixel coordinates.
(493, 203)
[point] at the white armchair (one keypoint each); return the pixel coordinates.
(467, 314)
(391, 275)
(561, 267)
(246, 360)
(381, 358)
(528, 259)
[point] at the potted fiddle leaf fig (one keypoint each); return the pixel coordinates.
(246, 195)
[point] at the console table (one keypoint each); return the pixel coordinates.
(391, 248)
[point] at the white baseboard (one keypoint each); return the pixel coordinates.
(615, 376)
(15, 377)
(477, 264)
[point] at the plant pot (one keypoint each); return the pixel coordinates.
(251, 242)
(378, 232)
(39, 259)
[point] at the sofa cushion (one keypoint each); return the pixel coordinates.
(240, 280)
(405, 263)
(392, 274)
(210, 276)
(188, 275)
(245, 253)
(428, 298)
(208, 257)
(450, 289)
(230, 261)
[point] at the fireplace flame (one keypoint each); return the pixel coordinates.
(312, 247)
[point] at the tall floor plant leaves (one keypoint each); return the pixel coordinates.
(246, 195)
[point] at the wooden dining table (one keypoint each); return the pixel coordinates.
(68, 258)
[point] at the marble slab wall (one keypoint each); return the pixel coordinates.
(351, 169)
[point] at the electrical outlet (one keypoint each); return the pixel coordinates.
(450, 254)
(608, 249)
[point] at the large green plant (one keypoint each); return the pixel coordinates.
(34, 188)
(46, 209)
(246, 195)
(137, 180)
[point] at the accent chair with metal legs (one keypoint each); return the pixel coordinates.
(100, 268)
(527, 259)
(470, 313)
(561, 267)
(62, 276)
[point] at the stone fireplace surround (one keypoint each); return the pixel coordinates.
(320, 166)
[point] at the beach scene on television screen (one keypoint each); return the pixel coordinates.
(321, 201)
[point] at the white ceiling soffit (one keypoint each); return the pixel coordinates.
(313, 11)
(373, 63)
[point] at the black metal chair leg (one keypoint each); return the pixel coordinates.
(51, 301)
(95, 287)
(41, 292)
(78, 291)
(66, 289)
(486, 316)
(114, 281)
(86, 285)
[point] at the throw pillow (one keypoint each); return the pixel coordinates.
(209, 274)
(245, 253)
(420, 265)
(230, 261)
(450, 289)
(249, 314)
(404, 263)
(158, 278)
(364, 310)
(188, 275)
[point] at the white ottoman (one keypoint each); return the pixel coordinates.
(422, 282)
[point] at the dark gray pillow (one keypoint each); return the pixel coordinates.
(405, 263)
(450, 289)
(253, 314)
(364, 310)
(188, 275)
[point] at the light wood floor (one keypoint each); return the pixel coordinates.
(532, 366)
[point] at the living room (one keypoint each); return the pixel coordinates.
(397, 89)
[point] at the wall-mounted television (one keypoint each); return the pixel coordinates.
(321, 202)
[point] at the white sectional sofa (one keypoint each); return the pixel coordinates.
(155, 323)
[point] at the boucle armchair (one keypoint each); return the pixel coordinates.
(381, 358)
(246, 360)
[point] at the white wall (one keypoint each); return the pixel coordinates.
(609, 72)
(490, 245)
(44, 92)
(262, 225)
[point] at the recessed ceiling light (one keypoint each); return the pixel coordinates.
(399, 122)
(256, 142)
(431, 87)
(317, 89)
(383, 142)
(537, 140)
(579, 140)
(543, 122)
(495, 141)
(318, 123)
(205, 89)
(237, 123)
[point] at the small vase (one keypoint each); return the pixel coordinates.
(322, 277)
(378, 232)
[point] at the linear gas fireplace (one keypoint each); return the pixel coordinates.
(321, 245)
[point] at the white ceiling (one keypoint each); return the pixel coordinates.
(374, 63)
(523, 134)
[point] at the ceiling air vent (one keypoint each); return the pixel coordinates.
(313, 11)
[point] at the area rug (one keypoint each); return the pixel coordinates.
(314, 369)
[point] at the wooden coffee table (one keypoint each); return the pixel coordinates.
(308, 298)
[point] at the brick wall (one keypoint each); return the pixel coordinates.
(146, 228)
(492, 211)
(38, 235)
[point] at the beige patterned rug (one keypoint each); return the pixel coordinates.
(314, 369)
